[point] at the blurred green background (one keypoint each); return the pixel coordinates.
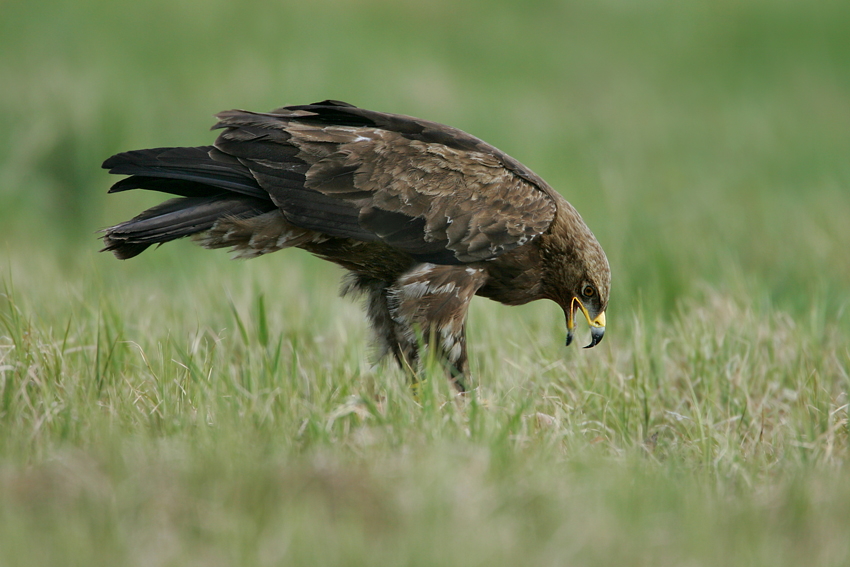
(183, 409)
(705, 143)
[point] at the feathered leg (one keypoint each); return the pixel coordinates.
(428, 306)
(377, 311)
(425, 307)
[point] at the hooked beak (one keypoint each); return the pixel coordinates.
(597, 326)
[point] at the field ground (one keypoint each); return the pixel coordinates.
(184, 409)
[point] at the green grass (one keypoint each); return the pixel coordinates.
(172, 423)
(183, 409)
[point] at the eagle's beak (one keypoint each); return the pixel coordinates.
(597, 326)
(597, 330)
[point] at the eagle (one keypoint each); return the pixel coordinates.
(423, 217)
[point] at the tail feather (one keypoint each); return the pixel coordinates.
(175, 219)
(202, 165)
(164, 185)
(210, 186)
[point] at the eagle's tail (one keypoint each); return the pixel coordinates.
(211, 186)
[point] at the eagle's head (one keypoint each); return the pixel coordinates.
(577, 274)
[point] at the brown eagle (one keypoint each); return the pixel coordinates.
(422, 215)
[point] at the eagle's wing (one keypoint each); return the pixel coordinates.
(429, 190)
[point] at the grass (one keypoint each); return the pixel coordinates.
(204, 422)
(181, 408)
(202, 433)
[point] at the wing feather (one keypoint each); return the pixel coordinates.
(429, 190)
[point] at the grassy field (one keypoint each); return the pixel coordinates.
(184, 409)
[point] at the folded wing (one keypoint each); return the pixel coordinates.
(429, 190)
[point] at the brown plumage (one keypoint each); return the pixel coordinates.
(422, 215)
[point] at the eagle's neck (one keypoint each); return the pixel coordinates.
(514, 278)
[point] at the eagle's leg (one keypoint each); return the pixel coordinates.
(390, 336)
(377, 311)
(427, 306)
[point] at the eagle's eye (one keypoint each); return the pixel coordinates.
(588, 291)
